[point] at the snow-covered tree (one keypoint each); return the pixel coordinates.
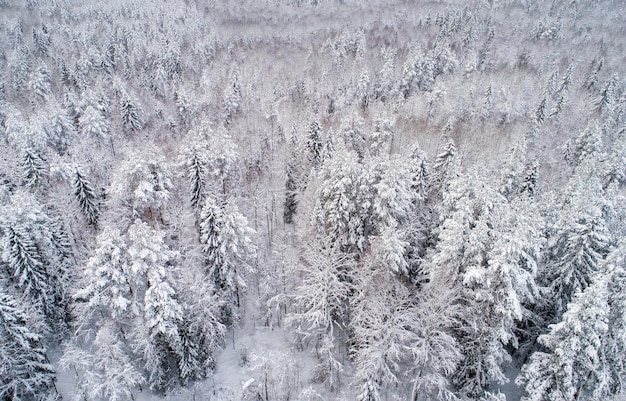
(209, 162)
(201, 331)
(512, 175)
(59, 127)
(143, 184)
(583, 246)
(156, 336)
(291, 190)
(362, 89)
(320, 305)
(338, 196)
(94, 125)
(578, 239)
(529, 182)
(232, 97)
(591, 78)
(400, 337)
(421, 68)
(615, 171)
(227, 242)
(358, 199)
(382, 137)
(420, 173)
(131, 113)
(39, 83)
(604, 103)
(488, 249)
(107, 369)
(434, 352)
(540, 114)
(107, 290)
(380, 330)
(314, 143)
(384, 84)
(34, 168)
(130, 288)
(443, 165)
(586, 145)
(370, 391)
(37, 257)
(193, 161)
(353, 134)
(583, 357)
(25, 261)
(418, 72)
(86, 197)
(41, 40)
(25, 372)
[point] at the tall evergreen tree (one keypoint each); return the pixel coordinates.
(443, 166)
(155, 335)
(583, 355)
(512, 175)
(142, 185)
(382, 137)
(93, 124)
(488, 250)
(25, 261)
(37, 256)
(583, 246)
(201, 331)
(194, 163)
(314, 143)
(107, 289)
(25, 372)
(131, 113)
(358, 199)
(420, 173)
(34, 168)
(385, 80)
(579, 238)
(86, 197)
(291, 191)
(362, 90)
(227, 242)
(232, 97)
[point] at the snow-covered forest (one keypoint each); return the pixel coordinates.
(312, 200)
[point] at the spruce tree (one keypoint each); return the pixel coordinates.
(107, 289)
(142, 184)
(487, 253)
(37, 252)
(420, 173)
(443, 166)
(94, 125)
(583, 354)
(86, 197)
(131, 113)
(34, 168)
(583, 244)
(25, 262)
(314, 143)
(227, 243)
(156, 330)
(25, 372)
(232, 97)
(291, 191)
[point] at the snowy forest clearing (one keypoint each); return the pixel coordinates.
(312, 200)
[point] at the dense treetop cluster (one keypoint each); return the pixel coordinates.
(422, 196)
